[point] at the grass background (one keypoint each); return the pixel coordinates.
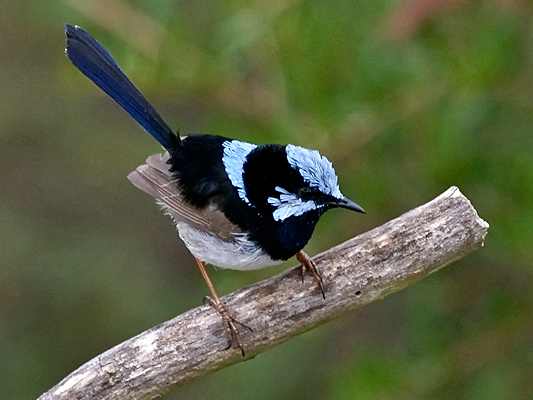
(405, 97)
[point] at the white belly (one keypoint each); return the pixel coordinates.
(241, 253)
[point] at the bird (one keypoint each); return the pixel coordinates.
(236, 205)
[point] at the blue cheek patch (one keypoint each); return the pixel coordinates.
(290, 205)
(233, 158)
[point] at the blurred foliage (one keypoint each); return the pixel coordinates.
(406, 98)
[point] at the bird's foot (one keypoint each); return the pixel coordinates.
(231, 323)
(309, 266)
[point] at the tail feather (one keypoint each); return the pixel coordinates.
(95, 62)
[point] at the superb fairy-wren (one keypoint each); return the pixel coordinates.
(235, 204)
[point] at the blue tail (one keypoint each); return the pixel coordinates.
(94, 61)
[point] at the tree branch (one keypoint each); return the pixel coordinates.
(358, 272)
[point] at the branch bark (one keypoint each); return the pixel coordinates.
(358, 272)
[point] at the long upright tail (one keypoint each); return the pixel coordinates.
(95, 62)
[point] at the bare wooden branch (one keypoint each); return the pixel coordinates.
(358, 272)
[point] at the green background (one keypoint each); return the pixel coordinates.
(406, 98)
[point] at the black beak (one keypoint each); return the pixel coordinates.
(350, 205)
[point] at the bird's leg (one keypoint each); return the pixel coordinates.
(309, 265)
(230, 321)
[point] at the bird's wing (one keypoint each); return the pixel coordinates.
(155, 178)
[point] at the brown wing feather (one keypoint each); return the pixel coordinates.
(155, 178)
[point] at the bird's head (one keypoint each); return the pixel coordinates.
(284, 181)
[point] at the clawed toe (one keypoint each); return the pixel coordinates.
(231, 324)
(308, 265)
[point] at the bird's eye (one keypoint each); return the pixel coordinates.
(307, 193)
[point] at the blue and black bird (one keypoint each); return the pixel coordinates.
(235, 204)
